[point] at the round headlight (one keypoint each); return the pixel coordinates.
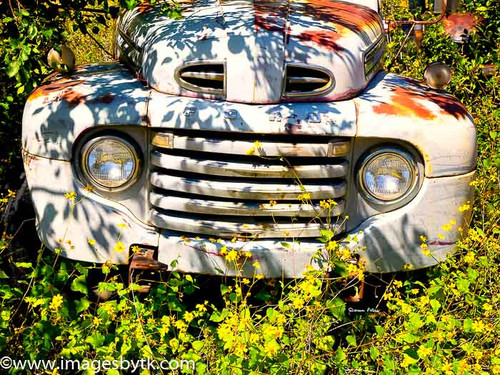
(388, 175)
(110, 162)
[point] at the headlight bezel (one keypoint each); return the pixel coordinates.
(410, 159)
(90, 144)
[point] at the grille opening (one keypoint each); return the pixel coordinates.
(307, 81)
(193, 176)
(202, 77)
(241, 220)
(256, 160)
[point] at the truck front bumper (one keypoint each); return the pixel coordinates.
(385, 242)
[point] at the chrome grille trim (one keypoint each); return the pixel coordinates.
(207, 77)
(303, 80)
(246, 190)
(332, 148)
(233, 169)
(209, 184)
(211, 207)
(226, 229)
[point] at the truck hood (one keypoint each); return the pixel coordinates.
(253, 42)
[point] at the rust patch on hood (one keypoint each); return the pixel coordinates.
(324, 38)
(53, 87)
(356, 18)
(72, 97)
(410, 101)
(270, 16)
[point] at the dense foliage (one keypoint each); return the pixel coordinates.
(445, 321)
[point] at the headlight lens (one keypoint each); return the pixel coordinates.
(110, 162)
(388, 175)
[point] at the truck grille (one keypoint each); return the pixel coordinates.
(247, 186)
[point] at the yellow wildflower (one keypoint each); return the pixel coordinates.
(188, 316)
(56, 302)
(304, 197)
(407, 267)
(91, 242)
(271, 348)
(96, 320)
(469, 258)
(232, 256)
(180, 325)
(464, 207)
(324, 204)
(447, 227)
(424, 352)
(119, 247)
(71, 196)
(397, 283)
(256, 265)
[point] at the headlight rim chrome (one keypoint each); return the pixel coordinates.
(408, 157)
(84, 166)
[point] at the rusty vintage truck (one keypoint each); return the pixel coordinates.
(209, 127)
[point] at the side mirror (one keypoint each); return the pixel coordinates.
(61, 59)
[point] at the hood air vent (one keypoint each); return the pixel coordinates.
(208, 78)
(306, 81)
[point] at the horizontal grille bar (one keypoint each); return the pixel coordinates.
(231, 169)
(217, 207)
(249, 190)
(330, 149)
(226, 229)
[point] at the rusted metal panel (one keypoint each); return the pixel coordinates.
(94, 95)
(243, 190)
(214, 207)
(437, 124)
(331, 149)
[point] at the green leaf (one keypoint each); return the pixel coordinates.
(96, 340)
(224, 289)
(82, 305)
(380, 330)
(197, 345)
(463, 285)
(80, 284)
(435, 305)
(3, 275)
(351, 340)
(374, 353)
(467, 325)
(13, 68)
(23, 264)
